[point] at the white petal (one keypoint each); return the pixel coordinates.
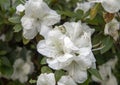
(46, 79)
(87, 29)
(36, 8)
(60, 61)
(111, 6)
(85, 59)
(66, 80)
(73, 29)
(76, 73)
(68, 45)
(112, 28)
(27, 68)
(29, 34)
(21, 70)
(44, 30)
(54, 64)
(56, 34)
(46, 50)
(65, 58)
(51, 18)
(83, 41)
(84, 6)
(98, 1)
(112, 81)
(20, 8)
(29, 28)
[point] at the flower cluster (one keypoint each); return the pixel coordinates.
(21, 68)
(110, 6)
(68, 46)
(38, 18)
(106, 73)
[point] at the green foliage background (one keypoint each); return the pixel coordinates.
(10, 27)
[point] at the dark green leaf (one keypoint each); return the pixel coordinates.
(107, 43)
(15, 19)
(5, 61)
(58, 74)
(7, 71)
(94, 11)
(67, 13)
(43, 61)
(79, 14)
(25, 41)
(17, 28)
(95, 73)
(46, 69)
(3, 52)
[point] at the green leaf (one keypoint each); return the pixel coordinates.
(17, 28)
(87, 81)
(94, 11)
(67, 13)
(9, 35)
(5, 61)
(7, 71)
(58, 74)
(103, 58)
(46, 69)
(25, 41)
(79, 14)
(95, 73)
(107, 43)
(14, 19)
(5, 67)
(4, 4)
(3, 52)
(31, 81)
(43, 61)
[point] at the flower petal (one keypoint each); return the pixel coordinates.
(51, 18)
(69, 46)
(60, 61)
(36, 8)
(29, 27)
(111, 6)
(46, 79)
(66, 80)
(46, 50)
(76, 73)
(44, 30)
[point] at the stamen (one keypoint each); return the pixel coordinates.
(96, 49)
(96, 44)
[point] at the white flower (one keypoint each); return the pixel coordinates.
(112, 28)
(20, 8)
(78, 67)
(68, 47)
(105, 71)
(85, 6)
(38, 18)
(46, 79)
(66, 80)
(53, 47)
(110, 6)
(2, 37)
(79, 33)
(21, 70)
